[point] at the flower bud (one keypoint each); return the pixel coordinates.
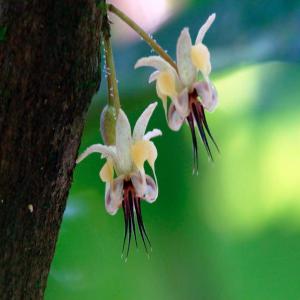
(108, 125)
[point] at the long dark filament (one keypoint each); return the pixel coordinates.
(190, 120)
(142, 229)
(197, 115)
(132, 215)
(198, 119)
(207, 128)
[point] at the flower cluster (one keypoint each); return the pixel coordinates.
(187, 84)
(126, 160)
(189, 95)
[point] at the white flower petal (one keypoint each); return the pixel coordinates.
(204, 28)
(175, 120)
(123, 143)
(155, 62)
(114, 195)
(106, 151)
(113, 151)
(152, 134)
(153, 76)
(142, 122)
(208, 94)
(186, 69)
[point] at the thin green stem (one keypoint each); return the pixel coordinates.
(110, 71)
(112, 85)
(153, 44)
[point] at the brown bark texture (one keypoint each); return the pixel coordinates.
(49, 70)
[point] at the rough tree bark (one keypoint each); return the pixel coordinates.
(49, 70)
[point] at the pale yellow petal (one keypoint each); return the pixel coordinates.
(143, 151)
(164, 98)
(107, 171)
(152, 154)
(201, 58)
(166, 83)
(159, 94)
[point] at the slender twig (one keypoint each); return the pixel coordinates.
(153, 44)
(112, 85)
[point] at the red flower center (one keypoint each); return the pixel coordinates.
(132, 215)
(197, 116)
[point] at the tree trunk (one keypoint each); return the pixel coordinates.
(49, 70)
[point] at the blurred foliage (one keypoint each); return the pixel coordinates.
(244, 32)
(233, 231)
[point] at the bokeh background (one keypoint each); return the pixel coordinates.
(233, 231)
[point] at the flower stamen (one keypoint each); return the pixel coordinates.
(207, 129)
(197, 115)
(198, 119)
(132, 214)
(142, 229)
(131, 197)
(190, 120)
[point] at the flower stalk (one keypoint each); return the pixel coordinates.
(112, 85)
(152, 43)
(110, 112)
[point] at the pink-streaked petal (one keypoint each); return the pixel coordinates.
(145, 189)
(139, 183)
(186, 69)
(175, 120)
(214, 102)
(208, 94)
(152, 134)
(108, 201)
(114, 195)
(182, 102)
(153, 76)
(106, 151)
(142, 122)
(123, 143)
(151, 191)
(204, 28)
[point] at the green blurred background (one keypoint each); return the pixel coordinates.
(233, 231)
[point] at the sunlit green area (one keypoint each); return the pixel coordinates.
(230, 233)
